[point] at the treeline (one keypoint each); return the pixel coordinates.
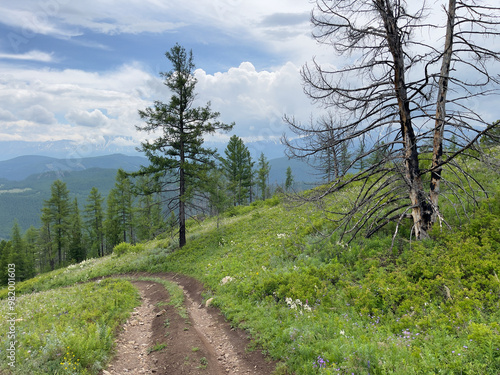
(135, 210)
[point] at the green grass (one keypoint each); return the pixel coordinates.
(67, 330)
(324, 307)
(156, 348)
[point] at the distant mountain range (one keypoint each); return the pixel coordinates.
(20, 168)
(25, 182)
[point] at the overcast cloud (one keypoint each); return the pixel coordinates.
(80, 71)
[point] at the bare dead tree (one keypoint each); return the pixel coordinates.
(331, 160)
(396, 85)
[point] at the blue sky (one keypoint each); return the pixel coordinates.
(80, 71)
(76, 73)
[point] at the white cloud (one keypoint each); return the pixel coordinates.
(88, 119)
(82, 105)
(72, 101)
(6, 115)
(255, 100)
(38, 114)
(30, 56)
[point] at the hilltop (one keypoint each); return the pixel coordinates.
(318, 303)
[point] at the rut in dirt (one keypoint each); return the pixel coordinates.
(157, 340)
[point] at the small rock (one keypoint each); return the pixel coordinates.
(209, 302)
(161, 312)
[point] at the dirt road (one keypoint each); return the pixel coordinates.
(157, 340)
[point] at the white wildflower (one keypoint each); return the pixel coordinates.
(225, 280)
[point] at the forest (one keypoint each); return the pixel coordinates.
(71, 233)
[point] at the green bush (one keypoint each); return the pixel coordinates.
(122, 248)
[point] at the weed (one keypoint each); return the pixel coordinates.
(156, 348)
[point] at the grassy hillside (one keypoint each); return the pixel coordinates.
(324, 307)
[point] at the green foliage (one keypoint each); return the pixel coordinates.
(320, 305)
(68, 330)
(178, 156)
(263, 176)
(125, 247)
(238, 168)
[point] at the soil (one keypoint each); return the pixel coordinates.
(157, 340)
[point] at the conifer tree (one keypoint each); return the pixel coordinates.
(149, 220)
(17, 255)
(55, 216)
(238, 169)
(218, 199)
(263, 176)
(76, 246)
(177, 156)
(30, 239)
(124, 206)
(94, 219)
(5, 250)
(289, 178)
(112, 224)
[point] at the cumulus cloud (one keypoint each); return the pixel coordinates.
(77, 104)
(85, 105)
(39, 114)
(88, 119)
(6, 115)
(255, 100)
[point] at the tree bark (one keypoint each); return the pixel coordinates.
(182, 175)
(421, 209)
(437, 154)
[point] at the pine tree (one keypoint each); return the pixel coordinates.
(55, 215)
(149, 220)
(94, 219)
(76, 247)
(263, 176)
(238, 169)
(177, 157)
(218, 199)
(289, 179)
(5, 250)
(17, 255)
(124, 206)
(30, 239)
(112, 224)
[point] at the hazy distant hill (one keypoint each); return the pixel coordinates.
(25, 182)
(301, 171)
(19, 168)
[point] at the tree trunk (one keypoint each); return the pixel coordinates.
(439, 126)
(421, 209)
(182, 181)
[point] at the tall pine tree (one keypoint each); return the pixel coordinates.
(76, 251)
(94, 219)
(238, 169)
(263, 176)
(56, 219)
(177, 156)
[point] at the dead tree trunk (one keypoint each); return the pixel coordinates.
(421, 209)
(437, 154)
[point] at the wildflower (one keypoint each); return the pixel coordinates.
(342, 332)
